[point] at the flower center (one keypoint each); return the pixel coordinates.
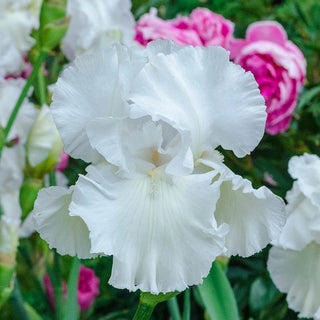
(155, 157)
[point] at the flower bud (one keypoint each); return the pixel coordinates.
(51, 11)
(53, 26)
(28, 194)
(52, 33)
(44, 145)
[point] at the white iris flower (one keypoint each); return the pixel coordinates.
(17, 19)
(97, 24)
(294, 262)
(157, 195)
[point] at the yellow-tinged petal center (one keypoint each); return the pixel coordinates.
(155, 157)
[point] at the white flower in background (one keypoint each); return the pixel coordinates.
(97, 24)
(12, 160)
(10, 58)
(17, 19)
(158, 196)
(10, 91)
(294, 261)
(11, 176)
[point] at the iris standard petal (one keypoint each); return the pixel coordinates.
(170, 87)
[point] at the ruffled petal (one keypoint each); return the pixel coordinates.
(69, 235)
(255, 216)
(297, 274)
(306, 169)
(162, 235)
(298, 231)
(161, 47)
(190, 88)
(92, 86)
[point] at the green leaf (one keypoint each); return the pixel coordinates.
(306, 97)
(217, 295)
(6, 282)
(32, 314)
(174, 308)
(153, 300)
(262, 293)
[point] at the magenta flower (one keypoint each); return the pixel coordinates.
(278, 66)
(150, 27)
(64, 159)
(49, 289)
(213, 29)
(202, 28)
(88, 288)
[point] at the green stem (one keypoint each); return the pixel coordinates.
(174, 308)
(42, 94)
(144, 311)
(57, 286)
(36, 67)
(71, 312)
(186, 306)
(52, 178)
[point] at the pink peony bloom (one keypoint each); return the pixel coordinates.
(88, 288)
(278, 66)
(202, 28)
(64, 159)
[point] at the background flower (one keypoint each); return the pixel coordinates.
(202, 28)
(294, 261)
(97, 24)
(88, 288)
(278, 66)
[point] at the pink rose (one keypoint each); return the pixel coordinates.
(64, 159)
(278, 66)
(88, 288)
(202, 28)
